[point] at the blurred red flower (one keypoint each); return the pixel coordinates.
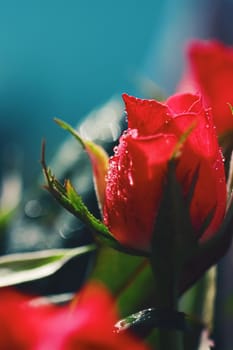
(138, 168)
(85, 324)
(210, 71)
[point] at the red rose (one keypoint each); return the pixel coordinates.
(138, 168)
(87, 323)
(210, 71)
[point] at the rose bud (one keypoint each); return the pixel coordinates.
(210, 71)
(138, 168)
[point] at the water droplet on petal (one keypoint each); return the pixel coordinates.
(130, 178)
(115, 150)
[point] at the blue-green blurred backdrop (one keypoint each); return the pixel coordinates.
(62, 58)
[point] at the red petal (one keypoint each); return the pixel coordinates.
(201, 151)
(87, 324)
(184, 103)
(134, 187)
(211, 72)
(203, 137)
(147, 116)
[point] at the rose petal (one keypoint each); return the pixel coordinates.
(147, 116)
(210, 71)
(134, 187)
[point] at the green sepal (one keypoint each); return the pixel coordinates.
(98, 158)
(209, 252)
(73, 132)
(173, 241)
(178, 147)
(67, 196)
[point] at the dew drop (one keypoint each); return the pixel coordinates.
(130, 178)
(116, 151)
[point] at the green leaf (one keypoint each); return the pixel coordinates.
(25, 267)
(5, 218)
(149, 322)
(127, 277)
(98, 158)
(144, 321)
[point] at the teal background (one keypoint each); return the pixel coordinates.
(63, 58)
